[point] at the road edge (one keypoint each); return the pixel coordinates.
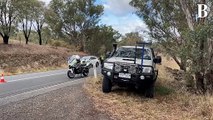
(33, 93)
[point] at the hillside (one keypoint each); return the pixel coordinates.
(18, 58)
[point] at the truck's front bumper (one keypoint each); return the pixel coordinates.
(128, 78)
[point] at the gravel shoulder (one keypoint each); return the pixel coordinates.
(63, 104)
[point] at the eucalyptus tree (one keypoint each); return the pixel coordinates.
(39, 21)
(8, 16)
(27, 16)
(165, 22)
(184, 36)
(100, 39)
(74, 18)
(131, 38)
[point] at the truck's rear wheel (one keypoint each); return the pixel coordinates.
(106, 85)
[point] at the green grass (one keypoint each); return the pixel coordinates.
(163, 90)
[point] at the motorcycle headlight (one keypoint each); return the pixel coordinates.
(117, 68)
(132, 69)
(108, 66)
(83, 62)
(147, 69)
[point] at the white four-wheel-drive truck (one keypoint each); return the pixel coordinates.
(131, 66)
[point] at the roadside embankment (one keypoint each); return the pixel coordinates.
(19, 58)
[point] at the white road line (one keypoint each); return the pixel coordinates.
(32, 93)
(28, 78)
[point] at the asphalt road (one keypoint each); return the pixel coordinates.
(18, 84)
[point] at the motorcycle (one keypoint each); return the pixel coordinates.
(77, 67)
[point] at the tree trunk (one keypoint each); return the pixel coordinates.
(200, 76)
(27, 39)
(183, 67)
(209, 81)
(209, 73)
(40, 39)
(38, 28)
(6, 39)
(187, 14)
(200, 83)
(82, 49)
(81, 46)
(26, 31)
(181, 64)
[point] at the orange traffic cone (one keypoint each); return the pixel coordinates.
(2, 79)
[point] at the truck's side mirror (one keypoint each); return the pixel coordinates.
(157, 60)
(108, 54)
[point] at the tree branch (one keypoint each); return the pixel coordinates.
(187, 14)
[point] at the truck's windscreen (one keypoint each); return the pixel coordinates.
(130, 53)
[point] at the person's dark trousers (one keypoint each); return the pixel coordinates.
(102, 62)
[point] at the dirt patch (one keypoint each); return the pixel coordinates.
(172, 101)
(18, 58)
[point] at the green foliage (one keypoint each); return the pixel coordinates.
(163, 90)
(73, 18)
(57, 44)
(27, 16)
(189, 80)
(8, 14)
(131, 39)
(39, 19)
(68, 21)
(166, 22)
(188, 39)
(101, 39)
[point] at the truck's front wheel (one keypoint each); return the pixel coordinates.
(149, 93)
(106, 85)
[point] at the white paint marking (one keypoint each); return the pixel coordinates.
(35, 77)
(95, 71)
(32, 93)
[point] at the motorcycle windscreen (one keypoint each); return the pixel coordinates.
(72, 60)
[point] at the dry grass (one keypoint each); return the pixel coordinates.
(171, 102)
(17, 58)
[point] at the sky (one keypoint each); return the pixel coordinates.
(120, 15)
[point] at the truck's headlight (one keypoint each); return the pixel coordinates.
(117, 68)
(108, 66)
(147, 69)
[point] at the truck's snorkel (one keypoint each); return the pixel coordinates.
(115, 46)
(141, 44)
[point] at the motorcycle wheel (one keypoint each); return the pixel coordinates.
(85, 73)
(70, 74)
